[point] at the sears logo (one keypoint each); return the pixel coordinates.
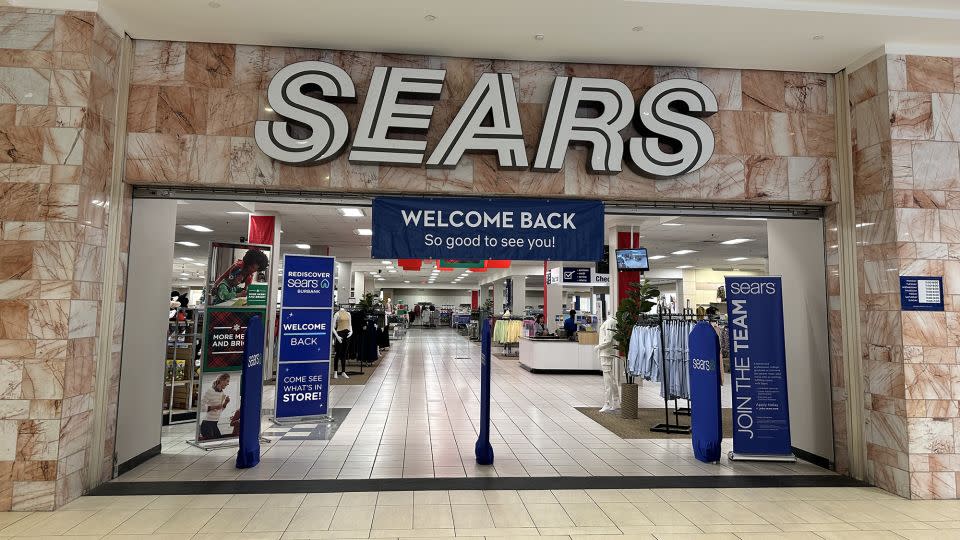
(748, 287)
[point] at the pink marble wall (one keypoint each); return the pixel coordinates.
(907, 183)
(193, 108)
(58, 78)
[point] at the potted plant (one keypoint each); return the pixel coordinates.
(640, 299)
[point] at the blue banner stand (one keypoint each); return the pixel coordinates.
(483, 448)
(706, 423)
(758, 368)
(251, 395)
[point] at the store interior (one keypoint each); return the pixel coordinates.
(407, 405)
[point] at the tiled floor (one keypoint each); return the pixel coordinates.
(417, 418)
(795, 513)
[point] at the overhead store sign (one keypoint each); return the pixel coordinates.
(674, 139)
(477, 229)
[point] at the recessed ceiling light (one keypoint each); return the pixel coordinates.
(198, 228)
(363, 232)
(735, 259)
(406, 281)
(746, 218)
(184, 274)
(684, 267)
(538, 37)
(392, 271)
(184, 279)
(672, 224)
(188, 244)
(381, 279)
(303, 246)
(429, 18)
(238, 212)
(387, 263)
(373, 273)
(351, 212)
(199, 264)
(736, 241)
(657, 257)
(684, 252)
(859, 225)
(185, 259)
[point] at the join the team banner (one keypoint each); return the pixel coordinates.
(758, 365)
(303, 371)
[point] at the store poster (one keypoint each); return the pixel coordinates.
(306, 326)
(474, 229)
(761, 414)
(238, 292)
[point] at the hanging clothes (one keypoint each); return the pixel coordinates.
(507, 331)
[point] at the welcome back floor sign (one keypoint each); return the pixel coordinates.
(303, 370)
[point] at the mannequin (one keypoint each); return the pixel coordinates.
(389, 309)
(610, 365)
(342, 331)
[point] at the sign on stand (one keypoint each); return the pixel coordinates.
(479, 229)
(236, 295)
(761, 414)
(303, 371)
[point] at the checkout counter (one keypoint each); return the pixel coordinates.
(551, 354)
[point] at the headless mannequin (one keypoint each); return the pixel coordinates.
(610, 364)
(343, 330)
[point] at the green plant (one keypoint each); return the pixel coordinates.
(368, 302)
(640, 299)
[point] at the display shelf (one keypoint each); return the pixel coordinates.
(181, 363)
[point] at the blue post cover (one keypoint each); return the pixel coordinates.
(483, 449)
(706, 422)
(251, 395)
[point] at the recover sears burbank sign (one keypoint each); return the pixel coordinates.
(674, 139)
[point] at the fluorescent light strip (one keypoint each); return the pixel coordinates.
(736, 241)
(737, 259)
(188, 244)
(657, 257)
(350, 212)
(198, 228)
(363, 232)
(684, 252)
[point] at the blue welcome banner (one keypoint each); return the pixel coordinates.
(761, 414)
(303, 371)
(477, 229)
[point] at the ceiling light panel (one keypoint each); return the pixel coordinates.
(736, 241)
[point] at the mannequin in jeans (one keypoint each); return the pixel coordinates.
(342, 330)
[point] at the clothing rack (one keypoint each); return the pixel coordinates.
(667, 426)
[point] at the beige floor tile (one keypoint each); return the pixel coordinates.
(284, 500)
(322, 499)
(368, 498)
(501, 497)
(510, 515)
(920, 535)
(859, 535)
(625, 514)
(549, 515)
(229, 520)
(318, 535)
(606, 495)
(504, 532)
(145, 521)
(270, 519)
(571, 495)
(410, 533)
(170, 501)
(187, 520)
(662, 514)
(393, 517)
(102, 522)
(395, 498)
(238, 536)
(699, 513)
(432, 516)
(467, 497)
(155, 536)
(640, 495)
(209, 501)
(738, 528)
(537, 496)
(816, 527)
(779, 536)
(57, 523)
(572, 532)
(21, 525)
(472, 516)
(735, 512)
(587, 514)
(246, 501)
(702, 536)
(893, 525)
(431, 497)
(352, 518)
(312, 518)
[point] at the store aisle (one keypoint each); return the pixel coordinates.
(417, 418)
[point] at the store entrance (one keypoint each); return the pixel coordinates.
(405, 403)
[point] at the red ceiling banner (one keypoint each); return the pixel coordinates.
(260, 229)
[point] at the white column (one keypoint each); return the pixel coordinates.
(359, 282)
(344, 280)
(498, 290)
(519, 301)
(554, 300)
